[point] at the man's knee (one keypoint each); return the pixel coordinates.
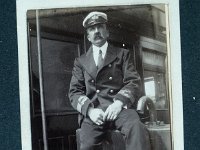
(132, 115)
(134, 127)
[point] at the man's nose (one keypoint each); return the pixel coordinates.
(96, 29)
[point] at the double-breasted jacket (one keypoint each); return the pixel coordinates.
(116, 79)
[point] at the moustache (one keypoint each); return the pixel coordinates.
(97, 36)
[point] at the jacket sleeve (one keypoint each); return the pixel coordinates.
(130, 90)
(77, 90)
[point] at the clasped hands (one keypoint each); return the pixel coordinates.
(98, 116)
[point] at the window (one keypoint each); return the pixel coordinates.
(57, 63)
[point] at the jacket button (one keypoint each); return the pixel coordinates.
(110, 78)
(109, 65)
(92, 81)
(97, 91)
(111, 91)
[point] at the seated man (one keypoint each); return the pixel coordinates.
(104, 85)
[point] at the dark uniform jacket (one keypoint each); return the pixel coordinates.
(116, 79)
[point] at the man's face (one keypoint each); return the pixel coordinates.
(97, 34)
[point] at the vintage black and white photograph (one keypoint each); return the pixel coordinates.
(99, 78)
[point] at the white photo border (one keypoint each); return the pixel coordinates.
(174, 59)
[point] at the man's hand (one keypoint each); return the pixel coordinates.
(113, 111)
(96, 115)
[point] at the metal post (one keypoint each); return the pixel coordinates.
(41, 81)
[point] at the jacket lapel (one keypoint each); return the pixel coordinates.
(111, 55)
(89, 64)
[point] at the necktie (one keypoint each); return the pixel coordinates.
(100, 59)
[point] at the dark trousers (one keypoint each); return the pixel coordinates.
(128, 122)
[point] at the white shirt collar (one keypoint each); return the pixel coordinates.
(102, 48)
(96, 51)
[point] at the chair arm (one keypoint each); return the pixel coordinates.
(144, 104)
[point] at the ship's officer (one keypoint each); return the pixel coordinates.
(103, 88)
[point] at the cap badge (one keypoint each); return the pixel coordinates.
(95, 17)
